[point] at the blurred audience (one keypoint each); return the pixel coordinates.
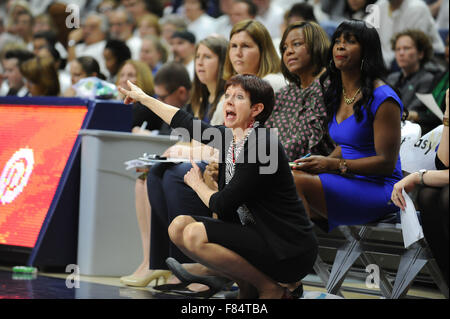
(90, 39)
(153, 52)
(199, 22)
(116, 52)
(412, 50)
(15, 81)
(399, 15)
(270, 15)
(41, 76)
(149, 25)
(121, 27)
(182, 44)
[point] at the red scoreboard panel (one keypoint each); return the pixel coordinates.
(35, 144)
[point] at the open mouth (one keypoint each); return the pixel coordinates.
(230, 115)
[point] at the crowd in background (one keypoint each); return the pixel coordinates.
(182, 52)
(111, 32)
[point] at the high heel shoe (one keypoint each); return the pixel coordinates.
(144, 281)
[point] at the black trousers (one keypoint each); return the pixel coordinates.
(433, 206)
(170, 197)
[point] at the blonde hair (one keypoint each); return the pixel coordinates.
(269, 60)
(153, 20)
(144, 77)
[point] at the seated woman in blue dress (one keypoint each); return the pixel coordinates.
(353, 184)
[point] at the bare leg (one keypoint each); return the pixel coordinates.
(143, 211)
(190, 236)
(310, 190)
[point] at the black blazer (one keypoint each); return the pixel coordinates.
(266, 187)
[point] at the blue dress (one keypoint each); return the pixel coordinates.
(356, 199)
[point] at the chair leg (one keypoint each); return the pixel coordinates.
(322, 271)
(436, 274)
(411, 262)
(345, 258)
(385, 284)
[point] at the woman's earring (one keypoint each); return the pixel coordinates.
(362, 64)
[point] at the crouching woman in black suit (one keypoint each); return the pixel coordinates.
(262, 236)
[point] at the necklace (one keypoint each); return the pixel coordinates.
(347, 100)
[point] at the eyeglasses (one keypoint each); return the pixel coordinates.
(165, 96)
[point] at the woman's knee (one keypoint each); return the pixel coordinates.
(177, 226)
(194, 235)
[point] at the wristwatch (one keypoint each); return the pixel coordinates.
(342, 166)
(421, 173)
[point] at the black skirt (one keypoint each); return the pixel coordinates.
(250, 245)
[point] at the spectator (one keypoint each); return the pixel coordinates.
(153, 52)
(149, 25)
(41, 76)
(139, 8)
(352, 185)
(399, 15)
(412, 50)
(116, 52)
(172, 86)
(251, 51)
(121, 27)
(199, 23)
(170, 24)
(432, 199)
(136, 72)
(299, 113)
(80, 68)
(50, 52)
(299, 12)
(440, 85)
(165, 181)
(223, 23)
(106, 7)
(23, 26)
(90, 39)
(270, 15)
(340, 10)
(11, 67)
(42, 39)
(242, 10)
(183, 48)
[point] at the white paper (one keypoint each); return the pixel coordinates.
(431, 104)
(411, 228)
(149, 160)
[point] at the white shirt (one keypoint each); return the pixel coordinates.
(412, 14)
(272, 20)
(191, 69)
(204, 26)
(96, 51)
(134, 43)
(223, 26)
(442, 17)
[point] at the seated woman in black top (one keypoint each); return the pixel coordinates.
(263, 236)
(432, 199)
